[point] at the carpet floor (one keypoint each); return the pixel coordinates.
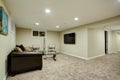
(71, 68)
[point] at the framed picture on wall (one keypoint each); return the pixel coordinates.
(41, 33)
(3, 21)
(35, 33)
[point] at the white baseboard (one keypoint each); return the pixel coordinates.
(75, 56)
(83, 57)
(113, 52)
(96, 56)
(110, 52)
(5, 77)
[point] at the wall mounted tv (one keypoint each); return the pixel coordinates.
(69, 38)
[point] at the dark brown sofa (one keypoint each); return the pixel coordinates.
(19, 62)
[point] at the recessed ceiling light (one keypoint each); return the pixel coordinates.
(57, 26)
(76, 18)
(37, 23)
(47, 10)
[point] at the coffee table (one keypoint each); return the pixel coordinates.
(51, 53)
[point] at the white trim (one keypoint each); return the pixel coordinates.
(83, 57)
(75, 56)
(5, 77)
(96, 56)
(112, 52)
(109, 52)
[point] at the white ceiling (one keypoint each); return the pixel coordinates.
(27, 12)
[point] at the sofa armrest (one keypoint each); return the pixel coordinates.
(19, 62)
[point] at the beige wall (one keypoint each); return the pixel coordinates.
(24, 36)
(80, 47)
(114, 44)
(109, 41)
(118, 41)
(53, 37)
(89, 43)
(96, 42)
(7, 43)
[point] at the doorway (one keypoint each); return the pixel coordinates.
(106, 41)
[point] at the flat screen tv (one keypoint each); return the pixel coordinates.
(69, 38)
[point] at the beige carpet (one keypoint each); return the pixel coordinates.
(71, 68)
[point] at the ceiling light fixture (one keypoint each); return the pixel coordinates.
(76, 18)
(47, 10)
(37, 23)
(57, 26)
(118, 0)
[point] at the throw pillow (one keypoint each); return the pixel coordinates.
(28, 49)
(17, 49)
(22, 47)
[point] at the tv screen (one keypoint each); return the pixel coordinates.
(69, 38)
